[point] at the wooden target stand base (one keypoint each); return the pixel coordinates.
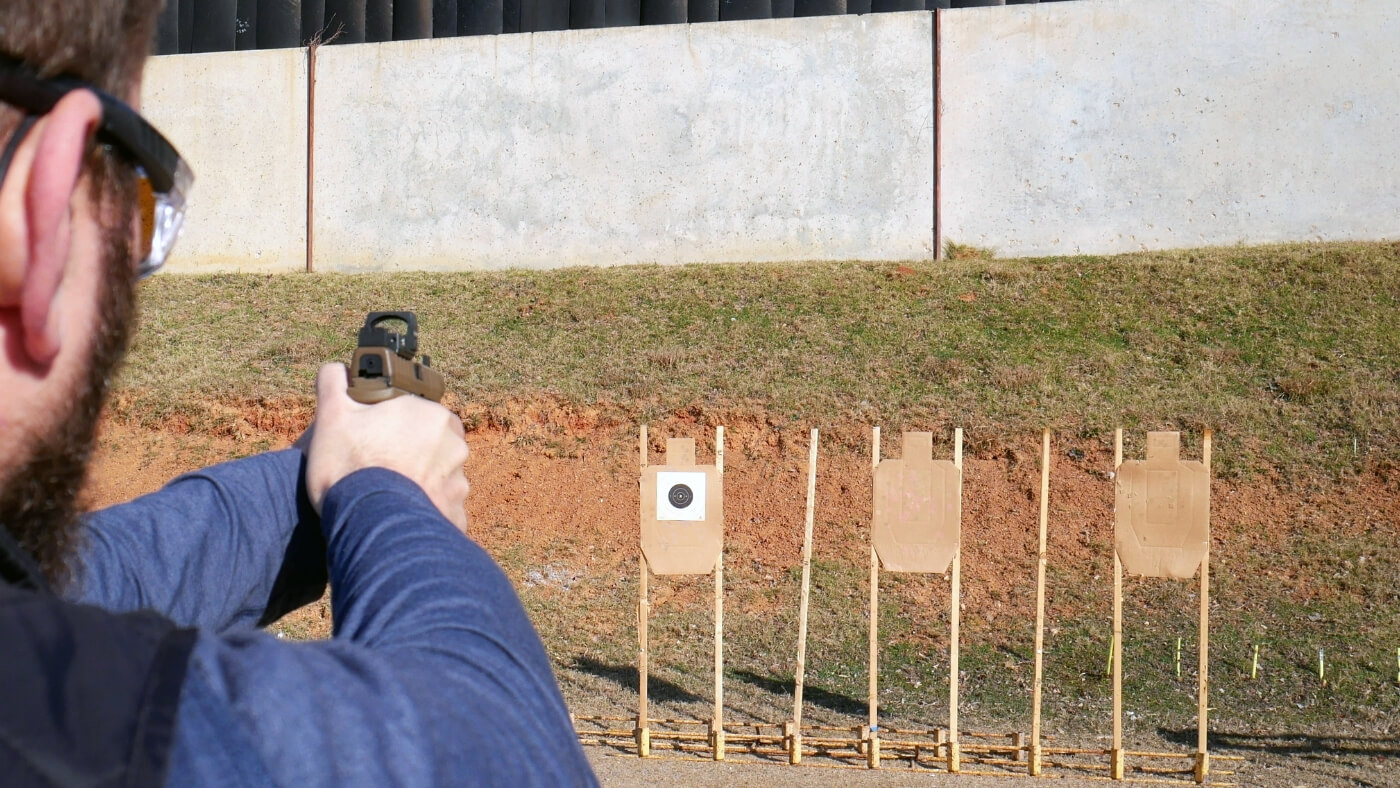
(683, 734)
(1119, 767)
(1118, 755)
(945, 746)
(942, 744)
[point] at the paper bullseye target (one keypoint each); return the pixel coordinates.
(680, 496)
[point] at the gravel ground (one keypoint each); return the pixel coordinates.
(1283, 762)
(620, 769)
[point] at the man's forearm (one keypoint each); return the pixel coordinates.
(435, 674)
(232, 545)
(404, 578)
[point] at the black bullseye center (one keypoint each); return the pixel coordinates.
(680, 496)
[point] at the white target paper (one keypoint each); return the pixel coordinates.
(669, 507)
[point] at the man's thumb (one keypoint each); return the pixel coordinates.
(332, 382)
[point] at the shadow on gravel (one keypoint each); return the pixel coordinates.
(626, 676)
(840, 704)
(1288, 743)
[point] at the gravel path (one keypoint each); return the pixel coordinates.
(1279, 768)
(622, 769)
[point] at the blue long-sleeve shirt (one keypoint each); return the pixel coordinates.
(434, 674)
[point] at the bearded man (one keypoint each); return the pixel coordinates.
(129, 648)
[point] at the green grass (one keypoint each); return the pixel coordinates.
(1361, 694)
(1291, 353)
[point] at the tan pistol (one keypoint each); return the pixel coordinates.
(384, 367)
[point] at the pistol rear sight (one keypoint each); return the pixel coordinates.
(383, 366)
(372, 334)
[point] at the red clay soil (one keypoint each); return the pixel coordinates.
(555, 484)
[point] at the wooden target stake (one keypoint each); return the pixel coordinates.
(1040, 604)
(1116, 649)
(795, 735)
(872, 750)
(718, 722)
(643, 732)
(956, 616)
(1203, 687)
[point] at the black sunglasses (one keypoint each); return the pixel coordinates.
(164, 178)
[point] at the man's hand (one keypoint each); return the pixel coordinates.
(411, 435)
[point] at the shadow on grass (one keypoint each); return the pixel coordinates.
(1287, 743)
(840, 704)
(626, 676)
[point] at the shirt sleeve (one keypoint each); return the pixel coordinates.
(234, 545)
(434, 675)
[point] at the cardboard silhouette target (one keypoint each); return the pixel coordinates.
(682, 513)
(1163, 511)
(915, 526)
(682, 507)
(1162, 529)
(918, 509)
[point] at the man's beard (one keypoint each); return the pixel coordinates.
(39, 500)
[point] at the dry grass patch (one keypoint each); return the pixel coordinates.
(1289, 352)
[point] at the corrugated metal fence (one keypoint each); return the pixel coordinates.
(226, 25)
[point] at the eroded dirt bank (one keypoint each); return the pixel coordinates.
(552, 484)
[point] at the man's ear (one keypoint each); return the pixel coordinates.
(50, 178)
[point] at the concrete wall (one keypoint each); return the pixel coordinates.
(1118, 125)
(239, 119)
(1094, 127)
(766, 141)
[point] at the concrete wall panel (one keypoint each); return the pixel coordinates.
(1113, 125)
(776, 140)
(239, 119)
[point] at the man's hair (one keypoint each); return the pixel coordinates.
(102, 42)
